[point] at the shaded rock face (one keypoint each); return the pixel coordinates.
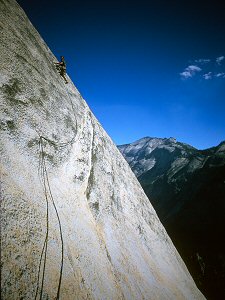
(75, 222)
(187, 188)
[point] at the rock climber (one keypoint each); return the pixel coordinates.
(61, 66)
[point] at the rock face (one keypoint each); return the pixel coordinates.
(75, 222)
(187, 188)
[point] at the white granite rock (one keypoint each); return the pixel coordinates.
(75, 223)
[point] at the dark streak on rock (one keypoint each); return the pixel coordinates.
(93, 206)
(11, 125)
(108, 255)
(10, 91)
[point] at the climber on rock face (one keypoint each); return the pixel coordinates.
(61, 66)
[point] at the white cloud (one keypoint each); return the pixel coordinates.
(202, 61)
(220, 75)
(185, 75)
(220, 59)
(193, 68)
(208, 76)
(205, 68)
(190, 71)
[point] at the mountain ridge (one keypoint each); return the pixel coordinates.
(187, 188)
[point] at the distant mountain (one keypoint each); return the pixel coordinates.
(187, 188)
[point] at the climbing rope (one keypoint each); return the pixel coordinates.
(43, 174)
(48, 194)
(41, 171)
(60, 231)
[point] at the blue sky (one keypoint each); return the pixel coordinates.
(146, 68)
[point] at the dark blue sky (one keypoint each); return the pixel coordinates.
(146, 68)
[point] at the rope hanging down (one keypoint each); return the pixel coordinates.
(48, 196)
(42, 170)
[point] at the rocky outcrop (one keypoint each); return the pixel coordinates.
(75, 223)
(186, 187)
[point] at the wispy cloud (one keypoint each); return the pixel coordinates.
(190, 71)
(205, 68)
(220, 75)
(220, 59)
(207, 76)
(202, 61)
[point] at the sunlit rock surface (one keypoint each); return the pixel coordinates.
(75, 223)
